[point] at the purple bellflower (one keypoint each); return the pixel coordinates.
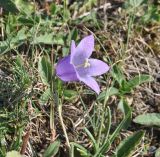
(78, 66)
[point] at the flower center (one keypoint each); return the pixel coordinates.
(86, 64)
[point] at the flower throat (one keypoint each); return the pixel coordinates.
(86, 64)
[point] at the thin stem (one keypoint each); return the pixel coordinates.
(53, 102)
(72, 151)
(51, 116)
(63, 125)
(65, 4)
(100, 130)
(65, 9)
(52, 120)
(52, 111)
(131, 21)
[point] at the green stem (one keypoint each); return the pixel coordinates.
(52, 115)
(100, 130)
(54, 100)
(65, 8)
(63, 125)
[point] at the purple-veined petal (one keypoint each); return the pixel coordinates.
(86, 45)
(90, 81)
(96, 67)
(65, 71)
(83, 50)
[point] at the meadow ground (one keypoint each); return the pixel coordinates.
(40, 115)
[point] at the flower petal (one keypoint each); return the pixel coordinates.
(65, 71)
(73, 48)
(90, 81)
(83, 50)
(96, 68)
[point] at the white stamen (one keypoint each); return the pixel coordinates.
(86, 63)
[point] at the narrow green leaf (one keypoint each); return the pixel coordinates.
(83, 151)
(45, 96)
(117, 74)
(105, 147)
(122, 125)
(125, 108)
(128, 145)
(45, 70)
(137, 80)
(108, 126)
(17, 142)
(109, 92)
(52, 150)
(92, 139)
(148, 119)
(74, 34)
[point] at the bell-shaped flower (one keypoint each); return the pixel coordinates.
(78, 66)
